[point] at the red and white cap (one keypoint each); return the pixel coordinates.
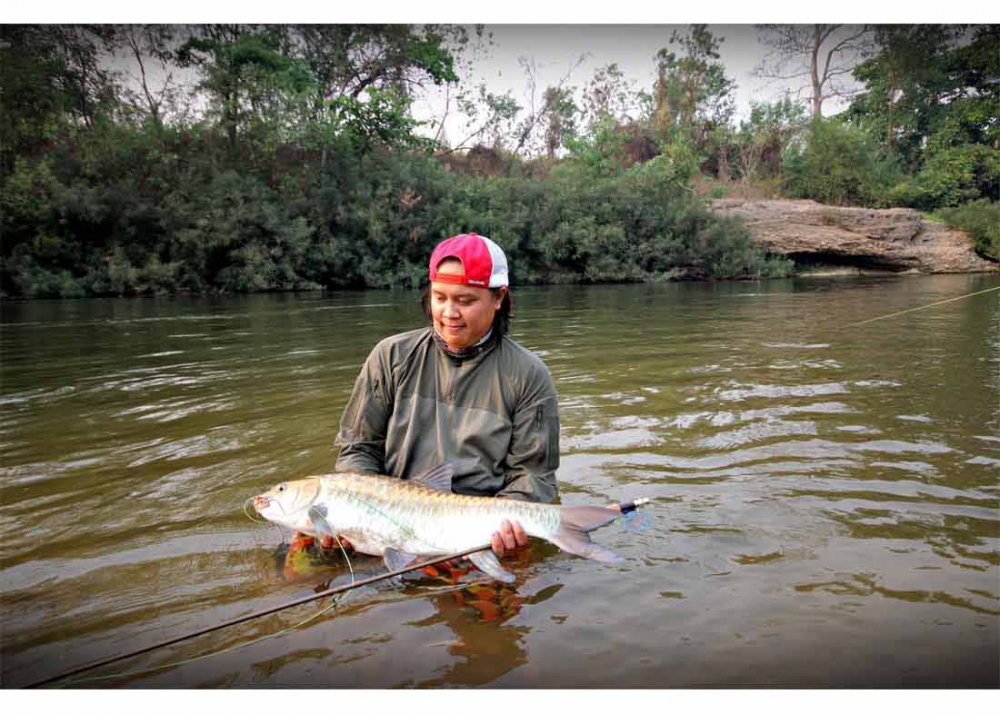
(484, 261)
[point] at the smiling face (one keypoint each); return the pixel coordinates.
(462, 314)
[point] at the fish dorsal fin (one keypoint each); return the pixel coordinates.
(438, 478)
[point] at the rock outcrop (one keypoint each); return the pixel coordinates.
(892, 239)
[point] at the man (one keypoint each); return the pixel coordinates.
(459, 391)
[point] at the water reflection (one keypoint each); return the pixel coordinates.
(476, 609)
(485, 647)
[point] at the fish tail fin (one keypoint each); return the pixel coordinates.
(575, 523)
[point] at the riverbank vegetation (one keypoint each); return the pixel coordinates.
(293, 159)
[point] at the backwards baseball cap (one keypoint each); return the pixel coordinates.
(484, 261)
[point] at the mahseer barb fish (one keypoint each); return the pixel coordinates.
(402, 520)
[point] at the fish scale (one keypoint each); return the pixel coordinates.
(393, 518)
(415, 518)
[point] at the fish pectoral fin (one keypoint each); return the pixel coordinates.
(486, 561)
(317, 514)
(397, 559)
(438, 477)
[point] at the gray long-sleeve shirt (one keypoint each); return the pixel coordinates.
(494, 417)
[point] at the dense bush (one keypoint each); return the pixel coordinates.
(295, 163)
(840, 165)
(952, 176)
(364, 221)
(981, 219)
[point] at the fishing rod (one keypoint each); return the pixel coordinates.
(624, 508)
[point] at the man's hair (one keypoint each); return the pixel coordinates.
(501, 321)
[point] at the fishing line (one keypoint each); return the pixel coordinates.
(624, 508)
(922, 307)
(634, 521)
(188, 660)
(246, 512)
(261, 520)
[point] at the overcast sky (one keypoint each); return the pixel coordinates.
(556, 51)
(556, 48)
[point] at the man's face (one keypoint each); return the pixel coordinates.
(462, 314)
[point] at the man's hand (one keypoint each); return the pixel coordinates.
(508, 539)
(325, 542)
(330, 543)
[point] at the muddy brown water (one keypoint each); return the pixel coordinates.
(825, 497)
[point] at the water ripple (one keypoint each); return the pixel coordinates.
(771, 391)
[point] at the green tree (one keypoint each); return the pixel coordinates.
(903, 84)
(249, 76)
(973, 92)
(364, 78)
(547, 120)
(560, 115)
(51, 81)
(765, 136)
(296, 163)
(491, 118)
(839, 164)
(694, 96)
(609, 96)
(693, 93)
(932, 99)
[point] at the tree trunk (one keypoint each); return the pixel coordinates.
(890, 131)
(724, 171)
(662, 113)
(817, 86)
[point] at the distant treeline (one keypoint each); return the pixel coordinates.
(296, 163)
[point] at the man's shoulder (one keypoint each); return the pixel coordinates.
(524, 358)
(399, 346)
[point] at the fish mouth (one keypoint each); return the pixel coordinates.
(306, 497)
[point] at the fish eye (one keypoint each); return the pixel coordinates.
(281, 488)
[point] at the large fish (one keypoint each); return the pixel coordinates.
(401, 520)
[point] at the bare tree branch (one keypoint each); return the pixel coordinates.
(822, 55)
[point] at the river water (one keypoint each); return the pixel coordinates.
(825, 494)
